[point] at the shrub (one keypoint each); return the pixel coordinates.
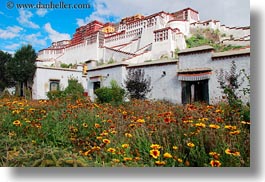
(113, 94)
(137, 84)
(74, 91)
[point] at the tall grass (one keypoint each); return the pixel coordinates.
(138, 133)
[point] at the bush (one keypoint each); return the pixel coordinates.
(55, 94)
(137, 84)
(74, 91)
(113, 94)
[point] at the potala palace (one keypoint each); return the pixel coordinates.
(102, 52)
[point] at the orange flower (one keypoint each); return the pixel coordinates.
(140, 120)
(215, 163)
(155, 153)
(97, 125)
(125, 145)
(111, 150)
(190, 144)
(231, 152)
(214, 126)
(167, 155)
(155, 146)
(106, 141)
(200, 125)
(85, 125)
(160, 163)
(17, 123)
(167, 120)
(234, 132)
(127, 158)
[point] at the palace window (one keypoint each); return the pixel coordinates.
(54, 85)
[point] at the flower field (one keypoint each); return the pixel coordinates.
(134, 134)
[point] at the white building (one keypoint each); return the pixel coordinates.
(147, 43)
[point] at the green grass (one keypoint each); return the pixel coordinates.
(71, 133)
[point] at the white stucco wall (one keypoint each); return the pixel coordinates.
(166, 87)
(204, 60)
(114, 73)
(43, 75)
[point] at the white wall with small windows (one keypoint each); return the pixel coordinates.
(47, 79)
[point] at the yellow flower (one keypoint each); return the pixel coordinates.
(106, 141)
(155, 146)
(201, 125)
(175, 148)
(160, 163)
(116, 160)
(230, 152)
(234, 132)
(180, 160)
(113, 132)
(87, 152)
(215, 163)
(127, 158)
(190, 144)
(214, 126)
(137, 158)
(230, 127)
(17, 123)
(99, 137)
(140, 120)
(155, 153)
(128, 135)
(96, 148)
(85, 125)
(97, 125)
(111, 150)
(167, 155)
(125, 145)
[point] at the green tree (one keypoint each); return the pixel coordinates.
(5, 79)
(137, 84)
(22, 67)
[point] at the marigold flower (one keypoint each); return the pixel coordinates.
(127, 158)
(200, 125)
(218, 111)
(85, 125)
(190, 144)
(231, 152)
(234, 132)
(128, 135)
(17, 123)
(167, 155)
(111, 150)
(214, 126)
(160, 163)
(140, 120)
(137, 158)
(96, 148)
(97, 125)
(106, 141)
(230, 127)
(155, 146)
(155, 153)
(87, 152)
(215, 163)
(125, 145)
(116, 160)
(180, 160)
(167, 120)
